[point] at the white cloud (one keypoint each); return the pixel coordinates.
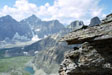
(69, 10)
(63, 10)
(20, 10)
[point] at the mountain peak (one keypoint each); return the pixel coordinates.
(95, 21)
(34, 17)
(55, 21)
(7, 16)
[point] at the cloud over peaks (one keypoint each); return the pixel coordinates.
(63, 10)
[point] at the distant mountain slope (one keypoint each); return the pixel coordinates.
(42, 28)
(51, 55)
(9, 27)
(40, 45)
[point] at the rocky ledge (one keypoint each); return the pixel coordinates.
(94, 56)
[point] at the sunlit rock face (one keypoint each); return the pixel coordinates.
(107, 19)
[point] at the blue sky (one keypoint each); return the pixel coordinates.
(37, 2)
(41, 2)
(107, 4)
(63, 10)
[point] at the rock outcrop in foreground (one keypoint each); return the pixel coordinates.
(94, 56)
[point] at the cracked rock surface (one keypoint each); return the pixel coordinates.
(85, 61)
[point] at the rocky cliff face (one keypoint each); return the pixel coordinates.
(49, 58)
(94, 54)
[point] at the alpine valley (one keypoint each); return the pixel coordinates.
(34, 47)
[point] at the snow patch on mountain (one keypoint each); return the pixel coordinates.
(38, 30)
(45, 36)
(18, 37)
(36, 52)
(36, 38)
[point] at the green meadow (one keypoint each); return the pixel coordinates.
(14, 65)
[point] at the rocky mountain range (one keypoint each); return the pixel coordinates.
(32, 26)
(42, 28)
(26, 29)
(10, 28)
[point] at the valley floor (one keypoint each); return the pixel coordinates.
(15, 65)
